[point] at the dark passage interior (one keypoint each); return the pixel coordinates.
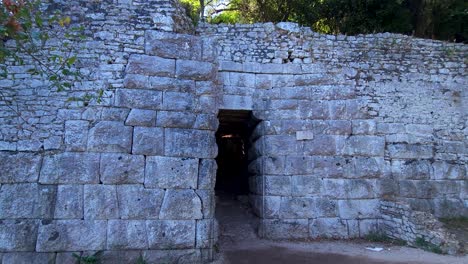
(232, 137)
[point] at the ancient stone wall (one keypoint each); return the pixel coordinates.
(348, 120)
(419, 229)
(344, 122)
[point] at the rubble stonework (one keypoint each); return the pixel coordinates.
(345, 122)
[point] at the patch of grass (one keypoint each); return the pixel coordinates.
(141, 260)
(382, 238)
(457, 222)
(421, 243)
(92, 259)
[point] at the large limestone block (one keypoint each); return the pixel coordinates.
(359, 209)
(322, 145)
(170, 234)
(119, 168)
(70, 168)
(195, 70)
(179, 256)
(190, 143)
(141, 117)
(181, 205)
(277, 185)
(18, 235)
(170, 45)
(410, 151)
(284, 228)
(71, 235)
(19, 167)
(367, 167)
(365, 146)
(26, 200)
(301, 207)
(110, 136)
(141, 99)
(351, 188)
(150, 65)
(148, 141)
(306, 185)
(177, 101)
(69, 204)
(168, 172)
(136, 202)
(76, 135)
(100, 202)
(205, 233)
(127, 234)
(207, 174)
(328, 228)
(176, 119)
(28, 257)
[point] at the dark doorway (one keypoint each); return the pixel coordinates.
(233, 139)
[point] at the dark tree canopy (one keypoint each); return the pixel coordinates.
(437, 19)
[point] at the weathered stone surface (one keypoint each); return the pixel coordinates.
(207, 174)
(268, 206)
(196, 70)
(180, 205)
(205, 233)
(306, 185)
(70, 168)
(100, 202)
(71, 235)
(300, 207)
(410, 151)
(110, 136)
(176, 119)
(136, 202)
(19, 167)
(180, 256)
(365, 146)
(148, 141)
(237, 102)
(358, 209)
(174, 173)
(28, 257)
(76, 135)
(121, 256)
(69, 204)
(150, 65)
(26, 200)
(141, 117)
(126, 234)
(141, 99)
(328, 228)
(18, 235)
(277, 185)
(284, 229)
(164, 234)
(119, 168)
(354, 189)
(190, 143)
(177, 46)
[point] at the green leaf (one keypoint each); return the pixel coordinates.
(71, 60)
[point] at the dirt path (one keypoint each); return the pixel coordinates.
(238, 244)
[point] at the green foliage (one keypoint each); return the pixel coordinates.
(141, 260)
(192, 9)
(33, 35)
(439, 19)
(92, 259)
(421, 243)
(457, 222)
(382, 238)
